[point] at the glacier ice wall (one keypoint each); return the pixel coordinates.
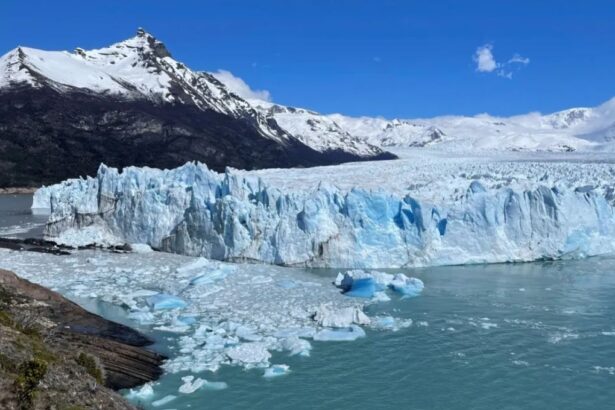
(194, 211)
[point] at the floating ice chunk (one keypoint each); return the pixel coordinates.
(164, 400)
(296, 332)
(406, 286)
(164, 301)
(144, 392)
(328, 316)
(215, 385)
(390, 323)
(600, 369)
(187, 320)
(247, 333)
(191, 385)
(142, 317)
(173, 328)
(340, 335)
(362, 288)
(381, 297)
(296, 346)
(254, 353)
(195, 265)
(209, 277)
(358, 283)
(276, 370)
(141, 248)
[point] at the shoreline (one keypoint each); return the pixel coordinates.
(64, 340)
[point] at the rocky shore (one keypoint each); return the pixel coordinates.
(56, 355)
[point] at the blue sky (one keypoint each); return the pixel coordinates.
(389, 58)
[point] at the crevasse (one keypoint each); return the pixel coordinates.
(194, 211)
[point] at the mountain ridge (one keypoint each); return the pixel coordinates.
(62, 114)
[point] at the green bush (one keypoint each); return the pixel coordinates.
(29, 375)
(91, 365)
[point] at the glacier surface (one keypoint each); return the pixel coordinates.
(416, 212)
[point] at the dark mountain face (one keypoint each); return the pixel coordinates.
(47, 136)
(62, 114)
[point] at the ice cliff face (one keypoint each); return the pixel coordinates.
(195, 211)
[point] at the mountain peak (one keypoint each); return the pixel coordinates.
(143, 42)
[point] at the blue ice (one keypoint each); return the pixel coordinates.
(361, 288)
(163, 301)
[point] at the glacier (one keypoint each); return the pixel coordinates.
(439, 213)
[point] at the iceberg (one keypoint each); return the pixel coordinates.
(164, 400)
(144, 392)
(164, 301)
(358, 283)
(276, 370)
(249, 354)
(362, 288)
(349, 334)
(237, 216)
(328, 316)
(191, 384)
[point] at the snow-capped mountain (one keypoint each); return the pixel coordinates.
(568, 130)
(62, 113)
(138, 68)
(319, 132)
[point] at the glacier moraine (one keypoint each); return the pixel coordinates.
(419, 211)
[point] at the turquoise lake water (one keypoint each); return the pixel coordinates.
(508, 336)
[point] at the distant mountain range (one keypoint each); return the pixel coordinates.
(62, 113)
(569, 130)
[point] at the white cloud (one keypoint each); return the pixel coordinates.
(239, 87)
(517, 59)
(486, 62)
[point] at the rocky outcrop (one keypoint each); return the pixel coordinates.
(53, 352)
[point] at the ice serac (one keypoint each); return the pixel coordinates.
(195, 211)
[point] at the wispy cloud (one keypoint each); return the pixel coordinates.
(486, 62)
(517, 59)
(240, 87)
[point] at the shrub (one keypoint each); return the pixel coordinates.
(29, 375)
(92, 366)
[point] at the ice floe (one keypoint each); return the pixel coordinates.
(219, 313)
(276, 370)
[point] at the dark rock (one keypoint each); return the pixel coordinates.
(69, 329)
(47, 136)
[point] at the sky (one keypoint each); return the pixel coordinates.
(396, 59)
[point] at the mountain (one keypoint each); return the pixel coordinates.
(62, 114)
(567, 130)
